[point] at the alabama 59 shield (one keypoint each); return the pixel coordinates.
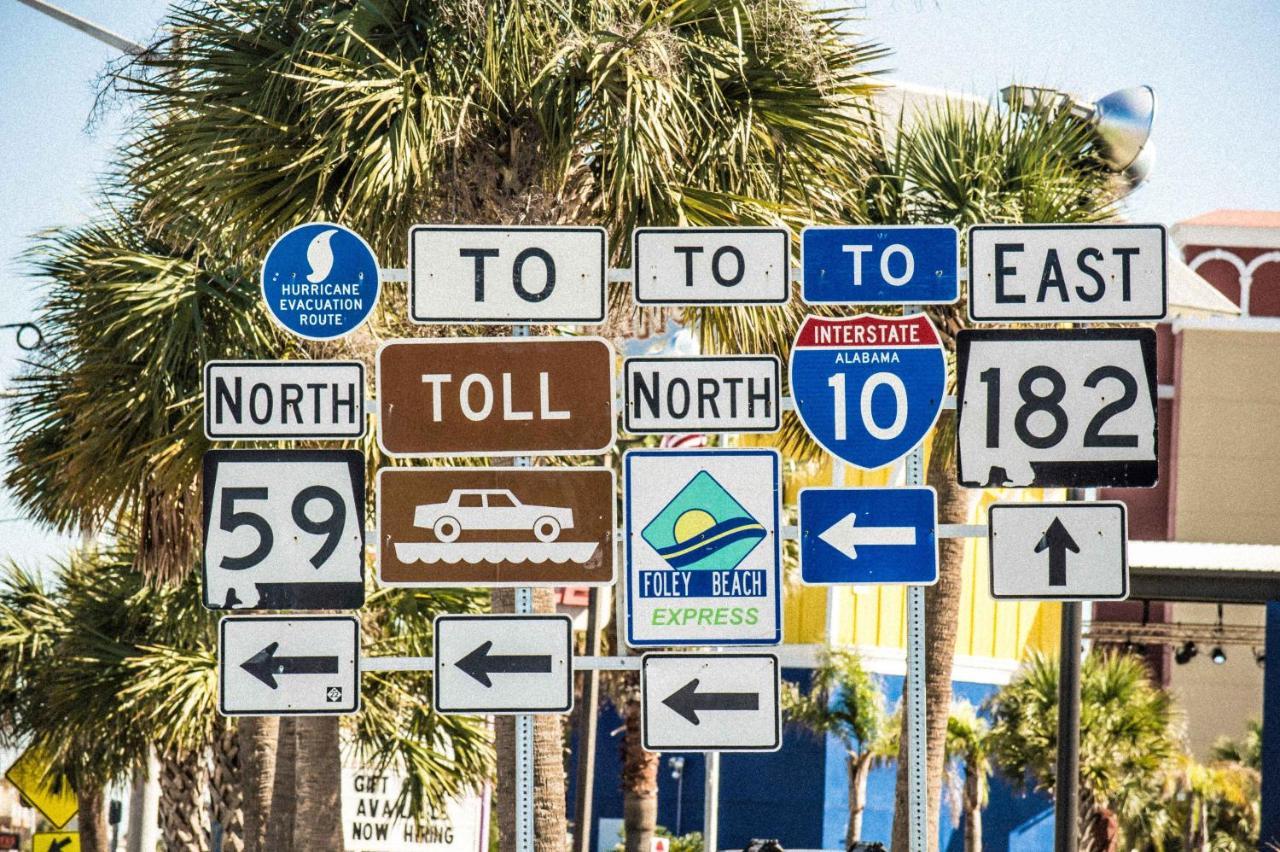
(868, 388)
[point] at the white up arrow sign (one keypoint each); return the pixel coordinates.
(845, 536)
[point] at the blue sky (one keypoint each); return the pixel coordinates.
(1212, 65)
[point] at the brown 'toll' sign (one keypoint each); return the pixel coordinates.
(504, 526)
(496, 396)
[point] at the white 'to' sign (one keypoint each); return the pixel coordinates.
(1057, 409)
(711, 266)
(496, 275)
(1067, 272)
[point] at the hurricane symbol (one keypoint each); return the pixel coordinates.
(320, 256)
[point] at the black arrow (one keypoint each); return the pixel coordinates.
(1057, 541)
(687, 701)
(265, 665)
(59, 845)
(480, 664)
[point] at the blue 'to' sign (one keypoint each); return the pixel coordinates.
(868, 388)
(320, 280)
(869, 535)
(882, 264)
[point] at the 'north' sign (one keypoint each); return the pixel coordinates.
(271, 400)
(704, 394)
(500, 274)
(711, 266)
(1051, 273)
(496, 396)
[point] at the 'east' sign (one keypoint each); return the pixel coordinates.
(271, 400)
(500, 274)
(1052, 273)
(704, 394)
(711, 266)
(1056, 408)
(881, 264)
(477, 396)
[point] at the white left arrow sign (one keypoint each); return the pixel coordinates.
(846, 536)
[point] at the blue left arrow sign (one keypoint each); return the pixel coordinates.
(869, 535)
(881, 264)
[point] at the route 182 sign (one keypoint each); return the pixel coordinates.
(1057, 408)
(868, 388)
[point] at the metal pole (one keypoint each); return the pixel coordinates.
(917, 731)
(524, 721)
(89, 28)
(1066, 808)
(711, 804)
(588, 723)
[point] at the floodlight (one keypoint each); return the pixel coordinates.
(1186, 653)
(1218, 655)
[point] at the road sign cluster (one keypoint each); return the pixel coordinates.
(700, 544)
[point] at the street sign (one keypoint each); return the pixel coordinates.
(55, 841)
(868, 388)
(502, 274)
(268, 400)
(704, 562)
(376, 819)
(1051, 273)
(710, 702)
(711, 266)
(1058, 551)
(284, 529)
(1057, 408)
(500, 664)
(502, 526)
(880, 264)
(480, 396)
(288, 665)
(320, 280)
(869, 535)
(10, 840)
(48, 793)
(704, 394)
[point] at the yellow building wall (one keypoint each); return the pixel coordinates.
(876, 615)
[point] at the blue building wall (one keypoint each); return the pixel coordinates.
(799, 794)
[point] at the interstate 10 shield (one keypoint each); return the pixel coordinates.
(868, 388)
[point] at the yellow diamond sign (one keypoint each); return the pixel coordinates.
(57, 841)
(52, 797)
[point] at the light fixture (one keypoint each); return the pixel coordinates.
(1218, 655)
(1186, 653)
(1122, 121)
(1260, 657)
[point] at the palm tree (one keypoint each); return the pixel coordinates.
(969, 744)
(385, 113)
(1127, 743)
(844, 701)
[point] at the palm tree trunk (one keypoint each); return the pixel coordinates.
(972, 810)
(92, 818)
(184, 813)
(639, 776)
(284, 790)
(259, 737)
(549, 824)
(317, 823)
(226, 786)
(942, 610)
(1101, 831)
(859, 768)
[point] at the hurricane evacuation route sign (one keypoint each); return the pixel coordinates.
(320, 281)
(702, 543)
(288, 665)
(868, 388)
(869, 535)
(495, 526)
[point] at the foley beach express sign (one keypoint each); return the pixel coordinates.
(320, 280)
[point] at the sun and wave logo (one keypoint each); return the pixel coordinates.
(703, 528)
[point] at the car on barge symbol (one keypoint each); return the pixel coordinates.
(490, 509)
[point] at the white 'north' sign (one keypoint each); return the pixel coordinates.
(498, 664)
(710, 702)
(497, 275)
(704, 394)
(1058, 551)
(711, 266)
(269, 400)
(1051, 273)
(288, 665)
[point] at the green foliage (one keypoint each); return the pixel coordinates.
(1247, 751)
(842, 700)
(969, 744)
